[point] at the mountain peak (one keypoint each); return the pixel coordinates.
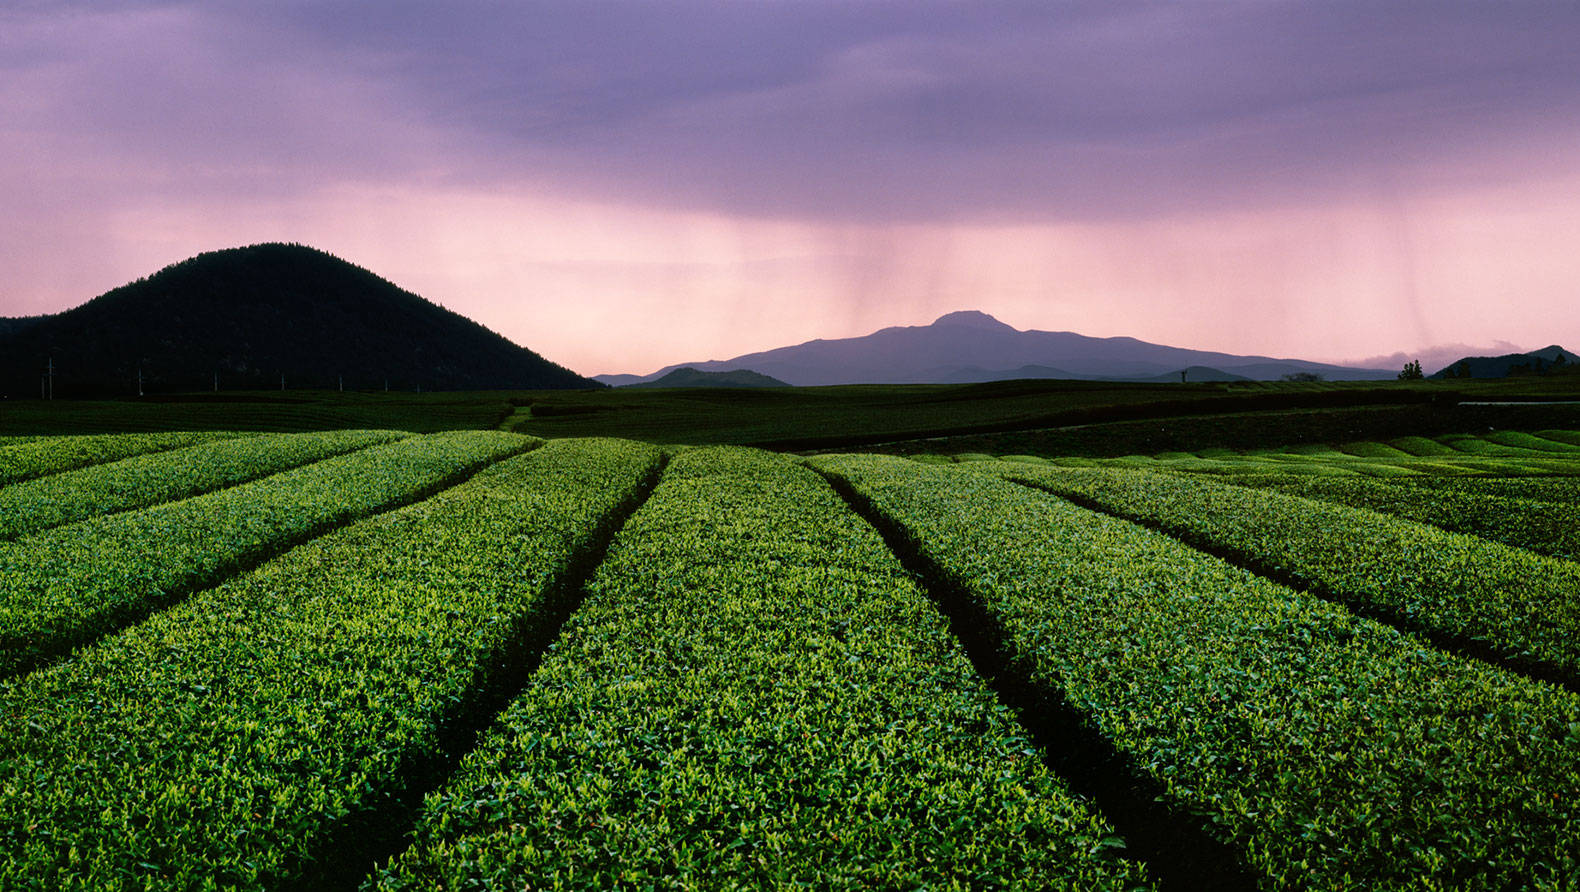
(262, 316)
(972, 319)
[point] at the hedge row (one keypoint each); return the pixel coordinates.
(754, 695)
(73, 583)
(152, 479)
(1334, 752)
(36, 457)
(1557, 490)
(1511, 444)
(231, 740)
(1547, 527)
(1525, 607)
(1536, 442)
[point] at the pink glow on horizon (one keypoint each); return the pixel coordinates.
(604, 288)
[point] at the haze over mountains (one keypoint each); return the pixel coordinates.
(248, 316)
(252, 317)
(970, 346)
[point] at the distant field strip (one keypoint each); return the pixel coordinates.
(228, 741)
(1334, 752)
(1548, 527)
(71, 584)
(755, 695)
(36, 457)
(1523, 607)
(152, 479)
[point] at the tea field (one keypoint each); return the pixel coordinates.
(378, 659)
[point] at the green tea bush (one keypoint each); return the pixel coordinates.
(230, 741)
(145, 480)
(1529, 441)
(73, 583)
(755, 695)
(1334, 752)
(1524, 606)
(35, 457)
(1547, 527)
(1563, 491)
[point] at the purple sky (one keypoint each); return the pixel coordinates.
(620, 185)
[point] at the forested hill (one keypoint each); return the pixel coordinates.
(252, 315)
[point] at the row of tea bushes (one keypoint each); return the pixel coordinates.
(152, 479)
(1540, 442)
(755, 695)
(1523, 606)
(1556, 490)
(1506, 443)
(1334, 752)
(1546, 527)
(36, 457)
(230, 741)
(71, 584)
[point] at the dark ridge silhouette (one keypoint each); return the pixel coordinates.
(249, 316)
(10, 325)
(690, 377)
(971, 346)
(1546, 361)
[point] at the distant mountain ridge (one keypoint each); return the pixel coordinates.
(972, 346)
(686, 376)
(250, 316)
(1548, 360)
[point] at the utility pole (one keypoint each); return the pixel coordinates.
(139, 380)
(282, 380)
(342, 380)
(49, 375)
(216, 382)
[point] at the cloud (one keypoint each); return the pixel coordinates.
(935, 110)
(1438, 357)
(865, 111)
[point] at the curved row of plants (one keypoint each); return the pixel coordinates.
(241, 737)
(71, 584)
(755, 695)
(1556, 490)
(1333, 751)
(1523, 607)
(152, 479)
(1547, 527)
(1514, 444)
(36, 457)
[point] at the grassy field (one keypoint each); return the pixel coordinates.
(480, 659)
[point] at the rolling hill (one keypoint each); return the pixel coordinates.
(246, 317)
(690, 377)
(1545, 361)
(971, 346)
